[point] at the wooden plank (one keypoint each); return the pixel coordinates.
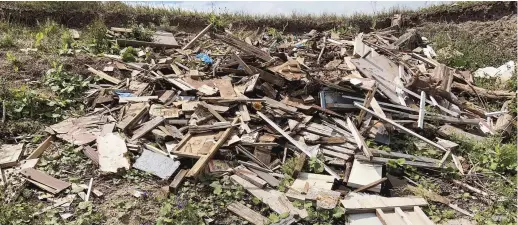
(41, 148)
(212, 111)
(135, 43)
(247, 213)
(371, 185)
(166, 96)
(242, 64)
(420, 121)
(295, 143)
(419, 212)
(243, 110)
(336, 154)
(448, 130)
(364, 219)
(198, 36)
(243, 46)
(359, 203)
(181, 84)
(134, 113)
(271, 180)
(279, 105)
(37, 176)
(92, 154)
(249, 176)
(276, 200)
(382, 217)
(403, 216)
(410, 163)
(226, 90)
(146, 127)
(104, 75)
(112, 153)
(401, 127)
(202, 162)
(365, 173)
(359, 139)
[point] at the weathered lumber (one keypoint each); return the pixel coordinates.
(247, 213)
(44, 181)
(202, 162)
(178, 179)
(104, 75)
(371, 185)
(295, 143)
(401, 127)
(243, 46)
(359, 139)
(410, 163)
(41, 148)
(489, 94)
(146, 127)
(357, 203)
(249, 176)
(212, 111)
(198, 36)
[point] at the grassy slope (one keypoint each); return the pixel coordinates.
(116, 13)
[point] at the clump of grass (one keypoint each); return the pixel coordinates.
(95, 36)
(7, 41)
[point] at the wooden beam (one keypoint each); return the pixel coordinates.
(104, 75)
(243, 46)
(202, 162)
(420, 121)
(359, 139)
(41, 148)
(242, 63)
(178, 179)
(295, 143)
(146, 127)
(403, 216)
(247, 213)
(198, 36)
(401, 127)
(212, 111)
(371, 185)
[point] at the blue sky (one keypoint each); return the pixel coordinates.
(287, 7)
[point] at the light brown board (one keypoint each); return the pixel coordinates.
(247, 214)
(42, 178)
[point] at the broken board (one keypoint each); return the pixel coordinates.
(112, 153)
(364, 173)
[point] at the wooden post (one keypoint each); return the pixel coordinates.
(366, 103)
(203, 32)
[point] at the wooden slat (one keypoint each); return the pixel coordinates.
(41, 148)
(401, 127)
(202, 162)
(247, 214)
(104, 75)
(178, 179)
(212, 111)
(295, 143)
(371, 185)
(403, 216)
(422, 216)
(359, 139)
(146, 127)
(42, 178)
(357, 203)
(271, 180)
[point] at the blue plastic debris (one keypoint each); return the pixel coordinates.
(125, 94)
(205, 58)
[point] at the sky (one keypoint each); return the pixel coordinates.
(288, 7)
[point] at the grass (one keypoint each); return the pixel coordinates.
(121, 13)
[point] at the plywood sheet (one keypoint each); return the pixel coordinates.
(364, 173)
(9, 154)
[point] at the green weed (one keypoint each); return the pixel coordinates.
(7, 41)
(15, 63)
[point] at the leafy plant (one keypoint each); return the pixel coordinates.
(66, 85)
(96, 36)
(86, 215)
(15, 63)
(128, 54)
(141, 33)
(316, 165)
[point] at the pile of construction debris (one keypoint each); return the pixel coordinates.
(243, 107)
